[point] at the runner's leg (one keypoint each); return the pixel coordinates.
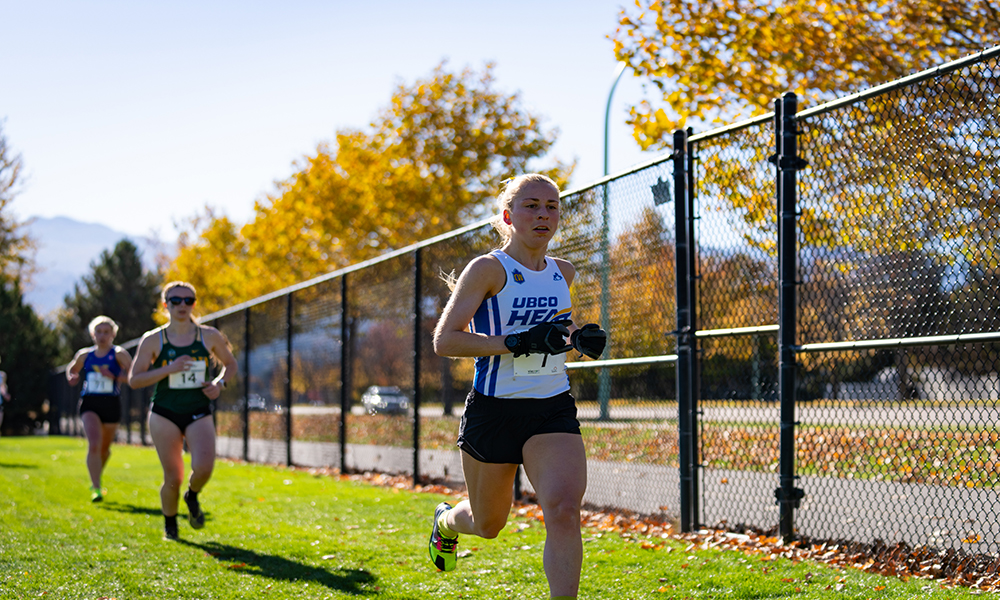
(200, 437)
(169, 444)
(93, 429)
(556, 466)
(491, 492)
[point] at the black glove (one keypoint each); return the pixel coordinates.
(590, 340)
(544, 338)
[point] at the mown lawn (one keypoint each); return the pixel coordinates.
(287, 533)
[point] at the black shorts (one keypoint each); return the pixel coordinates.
(181, 420)
(494, 430)
(107, 408)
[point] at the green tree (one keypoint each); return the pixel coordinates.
(28, 351)
(430, 162)
(119, 287)
(28, 347)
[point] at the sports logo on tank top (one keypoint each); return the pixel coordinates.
(556, 276)
(532, 310)
(518, 276)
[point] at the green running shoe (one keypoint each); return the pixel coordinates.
(96, 495)
(444, 551)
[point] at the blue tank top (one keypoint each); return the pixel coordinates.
(95, 384)
(527, 299)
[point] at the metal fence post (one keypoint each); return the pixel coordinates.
(288, 379)
(345, 405)
(683, 329)
(787, 494)
(418, 300)
(55, 407)
(694, 361)
(246, 385)
(604, 374)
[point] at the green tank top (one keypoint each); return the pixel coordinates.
(181, 392)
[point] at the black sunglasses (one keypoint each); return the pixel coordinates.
(176, 300)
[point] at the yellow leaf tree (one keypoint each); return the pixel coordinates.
(899, 189)
(730, 58)
(429, 163)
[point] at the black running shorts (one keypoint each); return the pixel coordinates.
(494, 430)
(181, 420)
(107, 408)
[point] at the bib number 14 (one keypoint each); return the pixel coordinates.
(191, 378)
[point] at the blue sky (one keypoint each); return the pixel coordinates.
(136, 114)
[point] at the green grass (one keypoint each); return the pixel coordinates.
(279, 533)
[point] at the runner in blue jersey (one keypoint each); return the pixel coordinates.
(102, 368)
(511, 310)
(177, 357)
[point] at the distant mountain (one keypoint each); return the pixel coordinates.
(66, 249)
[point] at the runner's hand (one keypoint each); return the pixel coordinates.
(179, 364)
(590, 340)
(544, 338)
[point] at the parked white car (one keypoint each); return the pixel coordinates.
(385, 400)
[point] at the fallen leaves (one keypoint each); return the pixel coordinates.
(950, 568)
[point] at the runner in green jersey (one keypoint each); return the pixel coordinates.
(177, 357)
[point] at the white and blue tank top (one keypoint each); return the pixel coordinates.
(528, 298)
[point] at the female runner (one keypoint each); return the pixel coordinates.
(176, 357)
(511, 310)
(103, 367)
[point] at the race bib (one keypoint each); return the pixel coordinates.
(534, 365)
(99, 384)
(191, 378)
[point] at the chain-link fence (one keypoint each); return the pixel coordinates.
(803, 318)
(899, 311)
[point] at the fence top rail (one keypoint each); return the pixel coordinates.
(721, 131)
(609, 178)
(735, 331)
(621, 362)
(346, 270)
(933, 340)
(901, 83)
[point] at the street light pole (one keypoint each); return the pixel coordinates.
(607, 110)
(603, 374)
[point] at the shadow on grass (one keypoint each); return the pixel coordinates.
(4, 465)
(278, 567)
(129, 508)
